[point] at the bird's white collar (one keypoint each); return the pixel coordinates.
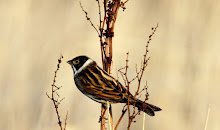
(87, 63)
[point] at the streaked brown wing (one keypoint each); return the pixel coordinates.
(101, 85)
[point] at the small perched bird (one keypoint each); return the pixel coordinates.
(98, 85)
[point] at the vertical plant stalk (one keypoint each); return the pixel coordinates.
(109, 116)
(103, 110)
(143, 120)
(111, 8)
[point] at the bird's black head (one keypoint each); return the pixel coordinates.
(77, 62)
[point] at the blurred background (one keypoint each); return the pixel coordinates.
(183, 72)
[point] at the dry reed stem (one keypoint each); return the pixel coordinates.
(110, 10)
(102, 117)
(109, 116)
(207, 118)
(143, 121)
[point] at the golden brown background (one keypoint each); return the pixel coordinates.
(183, 73)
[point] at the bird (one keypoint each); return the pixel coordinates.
(98, 85)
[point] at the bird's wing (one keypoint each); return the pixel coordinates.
(102, 85)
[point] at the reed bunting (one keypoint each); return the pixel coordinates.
(98, 85)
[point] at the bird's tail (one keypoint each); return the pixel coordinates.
(145, 107)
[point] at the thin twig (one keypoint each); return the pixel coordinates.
(145, 62)
(56, 102)
(119, 120)
(123, 3)
(100, 15)
(66, 120)
(145, 87)
(139, 74)
(86, 13)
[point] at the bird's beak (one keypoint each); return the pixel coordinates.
(69, 62)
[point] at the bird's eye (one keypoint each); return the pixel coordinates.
(76, 61)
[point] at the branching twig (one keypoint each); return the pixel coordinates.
(57, 102)
(86, 13)
(100, 15)
(145, 62)
(123, 5)
(145, 88)
(139, 74)
(119, 120)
